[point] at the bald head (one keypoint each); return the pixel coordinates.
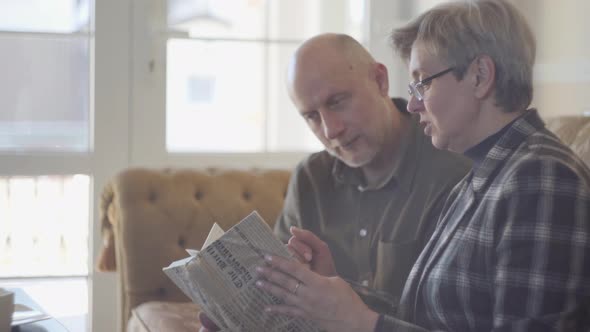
(342, 93)
(337, 51)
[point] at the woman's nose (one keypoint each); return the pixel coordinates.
(414, 105)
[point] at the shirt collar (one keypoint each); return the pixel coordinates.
(514, 135)
(478, 152)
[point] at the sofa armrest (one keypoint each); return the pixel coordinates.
(107, 260)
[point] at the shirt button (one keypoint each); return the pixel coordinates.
(363, 232)
(365, 283)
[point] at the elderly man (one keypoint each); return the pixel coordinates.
(374, 194)
(511, 251)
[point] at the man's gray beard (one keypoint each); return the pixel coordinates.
(335, 155)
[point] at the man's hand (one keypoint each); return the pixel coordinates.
(311, 250)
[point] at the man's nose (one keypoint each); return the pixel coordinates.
(414, 105)
(332, 124)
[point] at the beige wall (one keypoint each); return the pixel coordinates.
(562, 68)
(562, 72)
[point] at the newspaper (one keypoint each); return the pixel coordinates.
(221, 278)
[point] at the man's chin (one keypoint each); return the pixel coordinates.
(353, 162)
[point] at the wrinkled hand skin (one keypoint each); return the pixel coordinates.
(310, 249)
(329, 302)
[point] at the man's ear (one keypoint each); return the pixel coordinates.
(484, 75)
(382, 78)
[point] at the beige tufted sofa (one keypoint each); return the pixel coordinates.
(574, 131)
(150, 216)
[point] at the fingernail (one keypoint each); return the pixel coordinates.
(259, 283)
(259, 269)
(307, 256)
(268, 258)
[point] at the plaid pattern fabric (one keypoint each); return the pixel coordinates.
(511, 251)
(577, 320)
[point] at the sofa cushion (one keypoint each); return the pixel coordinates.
(164, 316)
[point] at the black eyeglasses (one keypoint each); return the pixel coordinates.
(416, 89)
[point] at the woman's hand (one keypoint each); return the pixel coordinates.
(328, 301)
(207, 324)
(310, 249)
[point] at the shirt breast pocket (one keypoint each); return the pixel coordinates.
(392, 264)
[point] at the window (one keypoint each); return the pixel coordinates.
(44, 226)
(225, 65)
(44, 98)
(45, 84)
(46, 144)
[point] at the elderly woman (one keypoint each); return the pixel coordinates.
(511, 250)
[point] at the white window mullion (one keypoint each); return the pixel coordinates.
(112, 90)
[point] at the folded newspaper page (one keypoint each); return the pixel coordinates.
(221, 278)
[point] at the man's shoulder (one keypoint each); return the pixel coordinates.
(321, 161)
(401, 104)
(318, 165)
(313, 175)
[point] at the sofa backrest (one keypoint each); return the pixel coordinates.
(574, 131)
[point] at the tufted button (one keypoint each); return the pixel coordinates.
(152, 197)
(246, 195)
(198, 195)
(181, 242)
(161, 292)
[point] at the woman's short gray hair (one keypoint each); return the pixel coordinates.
(458, 32)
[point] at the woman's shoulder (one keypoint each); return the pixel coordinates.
(543, 156)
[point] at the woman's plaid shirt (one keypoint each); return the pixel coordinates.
(511, 251)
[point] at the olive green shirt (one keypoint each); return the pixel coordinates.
(375, 234)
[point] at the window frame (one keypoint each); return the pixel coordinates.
(148, 121)
(34, 163)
